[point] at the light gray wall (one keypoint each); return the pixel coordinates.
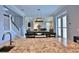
(73, 20)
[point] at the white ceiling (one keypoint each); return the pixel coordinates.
(45, 10)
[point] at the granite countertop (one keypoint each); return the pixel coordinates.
(43, 45)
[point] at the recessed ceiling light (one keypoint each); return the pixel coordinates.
(22, 9)
(38, 9)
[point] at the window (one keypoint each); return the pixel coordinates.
(6, 22)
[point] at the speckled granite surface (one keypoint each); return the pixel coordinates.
(42, 45)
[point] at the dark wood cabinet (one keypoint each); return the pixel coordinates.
(33, 34)
(76, 38)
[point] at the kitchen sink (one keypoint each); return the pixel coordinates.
(6, 48)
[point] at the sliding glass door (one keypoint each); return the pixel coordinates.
(59, 27)
(64, 26)
(62, 29)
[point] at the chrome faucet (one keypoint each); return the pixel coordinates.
(10, 37)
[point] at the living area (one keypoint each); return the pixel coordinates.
(40, 27)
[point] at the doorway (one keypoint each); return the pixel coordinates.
(62, 28)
